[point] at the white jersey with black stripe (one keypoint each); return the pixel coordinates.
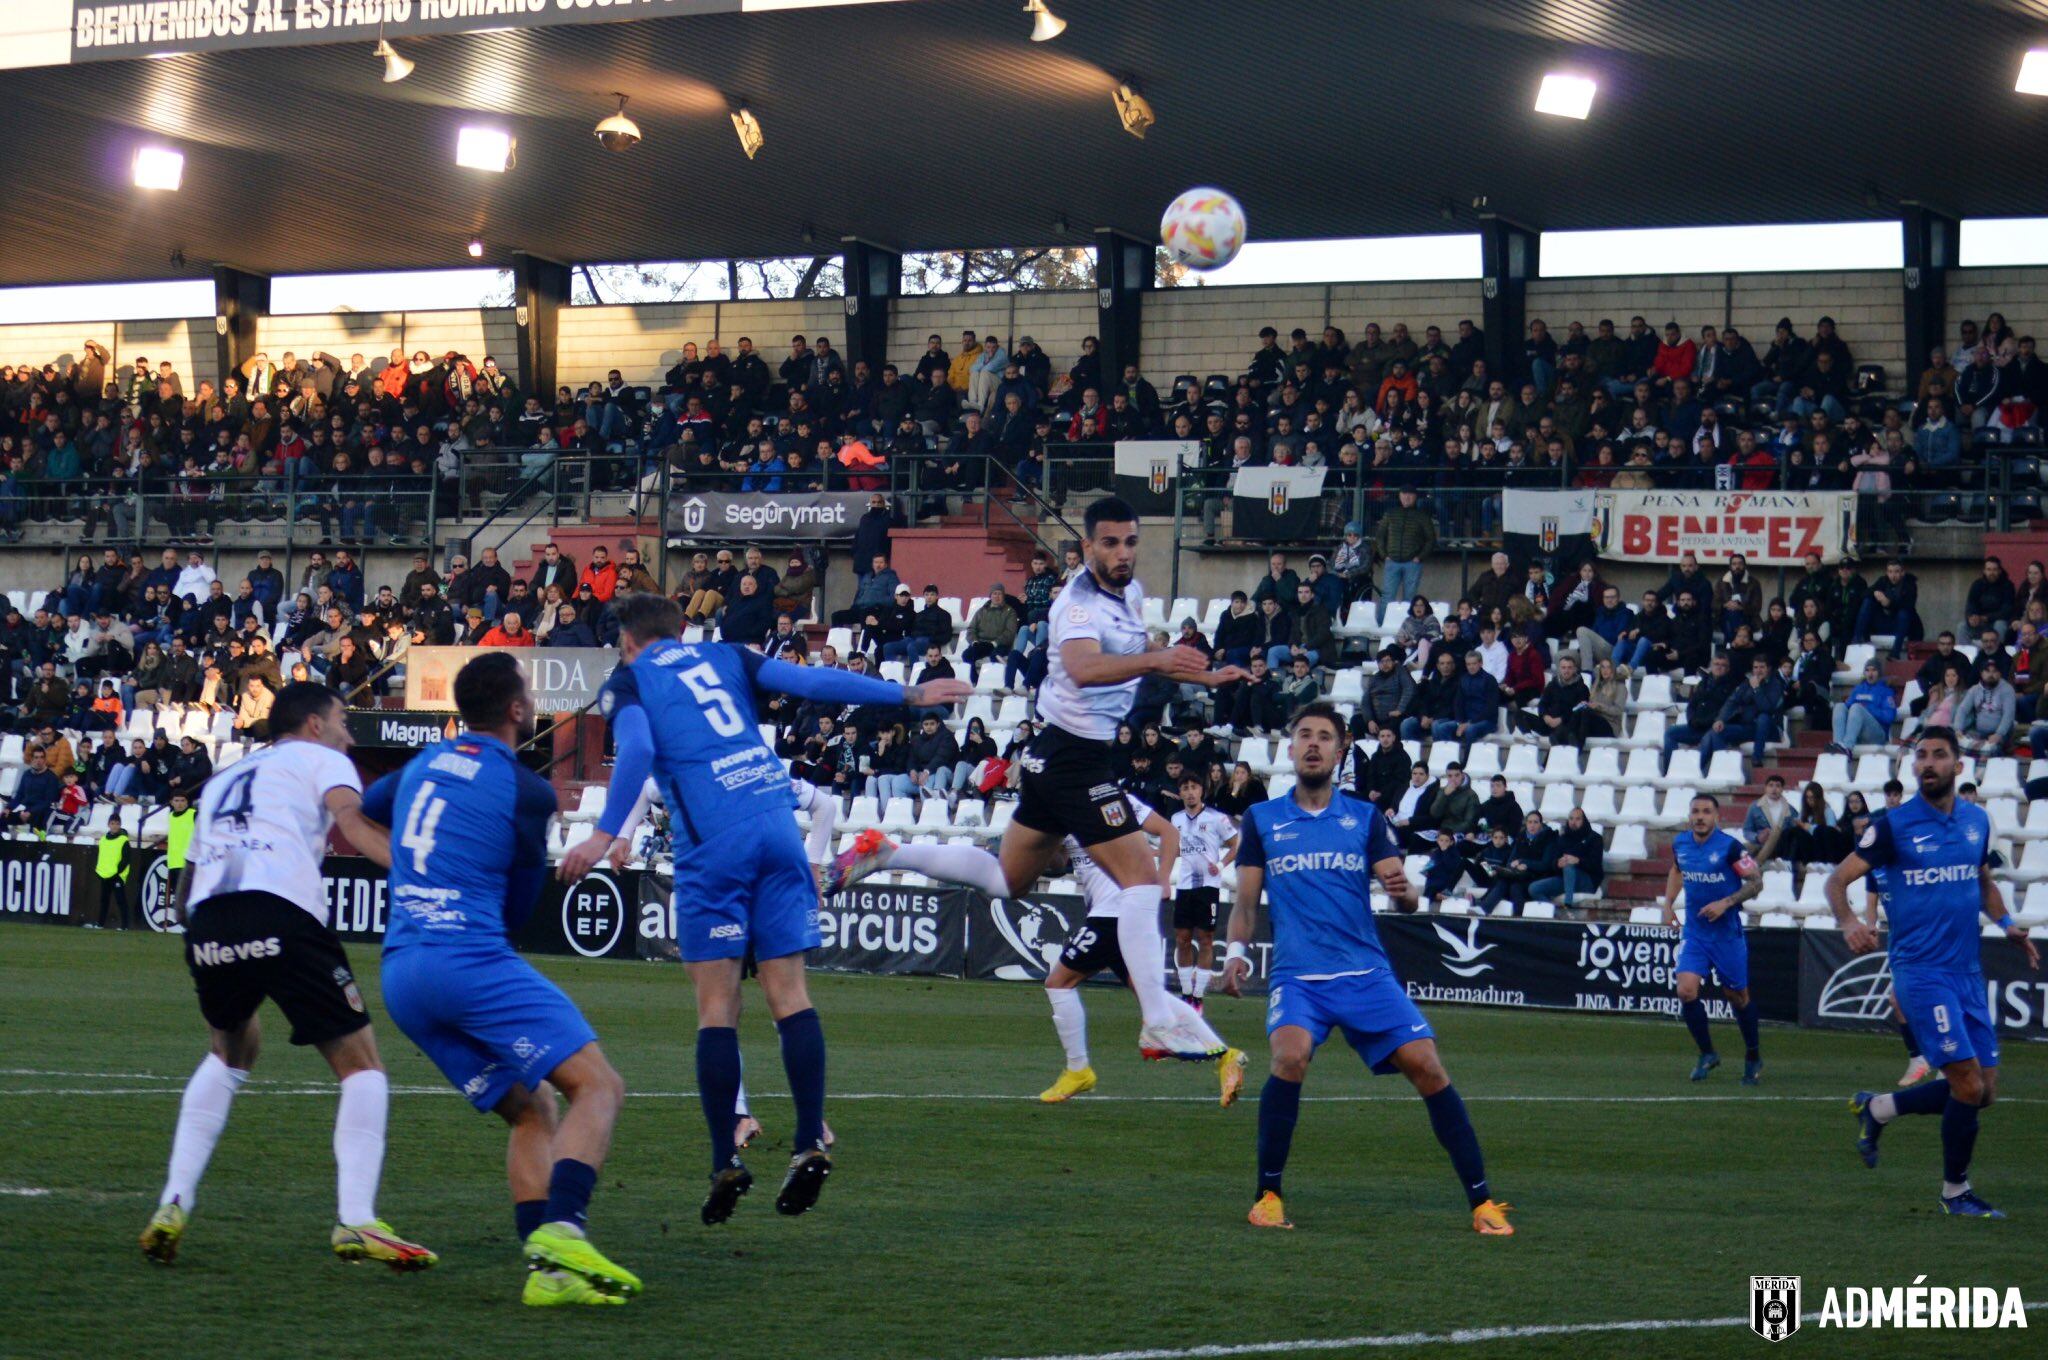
(1085, 610)
(262, 825)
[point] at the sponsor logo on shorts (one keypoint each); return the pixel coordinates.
(1102, 792)
(731, 930)
(594, 914)
(524, 1047)
(212, 953)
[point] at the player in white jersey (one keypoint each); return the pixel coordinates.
(1208, 842)
(258, 927)
(1097, 655)
(1097, 944)
(823, 808)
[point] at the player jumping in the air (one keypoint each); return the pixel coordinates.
(1316, 850)
(1097, 655)
(685, 713)
(1094, 946)
(1931, 859)
(258, 927)
(469, 861)
(1208, 841)
(1716, 875)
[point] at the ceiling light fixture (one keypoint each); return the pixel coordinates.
(1565, 96)
(2033, 72)
(1132, 110)
(618, 133)
(396, 66)
(476, 250)
(158, 167)
(1045, 25)
(749, 128)
(480, 148)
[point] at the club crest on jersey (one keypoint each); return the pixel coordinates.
(1348, 823)
(1116, 814)
(1077, 613)
(1972, 836)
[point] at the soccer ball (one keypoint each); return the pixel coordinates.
(1203, 228)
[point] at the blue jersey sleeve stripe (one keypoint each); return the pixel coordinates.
(821, 683)
(633, 763)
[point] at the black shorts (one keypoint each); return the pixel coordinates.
(1093, 947)
(1195, 909)
(245, 946)
(1069, 790)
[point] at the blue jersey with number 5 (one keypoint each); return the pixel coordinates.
(468, 844)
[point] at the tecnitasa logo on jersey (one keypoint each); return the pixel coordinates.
(593, 914)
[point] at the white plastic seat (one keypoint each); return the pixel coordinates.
(1777, 920)
(1599, 804)
(1455, 906)
(2034, 860)
(1638, 806)
(1348, 687)
(1685, 772)
(971, 813)
(2001, 778)
(1871, 773)
(1183, 607)
(589, 805)
(1213, 612)
(2034, 906)
(1653, 693)
(1000, 818)
(865, 812)
(1523, 763)
(900, 814)
(1854, 657)
(981, 706)
(1441, 754)
(951, 604)
(1642, 769)
(1813, 891)
(989, 678)
(13, 750)
(1016, 709)
(1677, 806)
(932, 816)
(1630, 843)
(1725, 772)
(1603, 766)
(1557, 803)
(1561, 766)
(1154, 613)
(896, 672)
(2005, 815)
(1539, 911)
(10, 780)
(840, 640)
(1777, 891)
(1484, 764)
(1645, 916)
(1357, 622)
(1647, 731)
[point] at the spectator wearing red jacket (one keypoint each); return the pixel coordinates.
(600, 574)
(1525, 670)
(511, 631)
(1675, 359)
(1091, 421)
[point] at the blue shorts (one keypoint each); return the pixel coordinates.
(1948, 1012)
(1726, 955)
(489, 1021)
(752, 885)
(1372, 1009)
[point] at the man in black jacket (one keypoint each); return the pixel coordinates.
(871, 535)
(1702, 708)
(1561, 709)
(1379, 770)
(1687, 576)
(1890, 608)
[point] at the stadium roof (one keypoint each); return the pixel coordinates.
(935, 123)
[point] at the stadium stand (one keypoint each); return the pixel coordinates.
(1552, 711)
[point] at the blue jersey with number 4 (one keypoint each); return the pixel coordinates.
(1318, 882)
(468, 844)
(1926, 866)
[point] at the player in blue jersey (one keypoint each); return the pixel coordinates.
(685, 714)
(1930, 857)
(469, 857)
(1713, 874)
(1314, 852)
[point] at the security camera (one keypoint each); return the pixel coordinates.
(618, 133)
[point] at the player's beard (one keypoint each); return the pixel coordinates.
(1316, 782)
(1937, 790)
(1108, 574)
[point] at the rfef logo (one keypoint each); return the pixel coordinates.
(593, 914)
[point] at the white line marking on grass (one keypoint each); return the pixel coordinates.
(103, 1076)
(45, 1192)
(1463, 1336)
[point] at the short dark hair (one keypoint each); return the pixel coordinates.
(297, 702)
(1894, 786)
(1108, 510)
(1947, 734)
(1192, 778)
(648, 618)
(485, 689)
(1707, 798)
(1319, 709)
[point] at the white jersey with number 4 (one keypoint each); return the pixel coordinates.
(1084, 610)
(262, 825)
(1203, 838)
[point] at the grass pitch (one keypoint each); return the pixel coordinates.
(965, 1221)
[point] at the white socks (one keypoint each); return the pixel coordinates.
(962, 864)
(359, 1144)
(1187, 978)
(824, 826)
(1071, 1020)
(1202, 976)
(202, 1114)
(1138, 937)
(739, 1103)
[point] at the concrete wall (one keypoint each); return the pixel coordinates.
(1214, 330)
(474, 332)
(2022, 294)
(187, 342)
(1056, 321)
(644, 341)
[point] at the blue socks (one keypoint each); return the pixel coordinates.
(1694, 1013)
(803, 1058)
(1453, 1128)
(1929, 1097)
(718, 1087)
(1279, 1108)
(529, 1214)
(1745, 1020)
(1958, 1140)
(1906, 1037)
(569, 1191)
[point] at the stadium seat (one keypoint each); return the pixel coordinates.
(951, 604)
(1357, 622)
(1016, 709)
(1000, 818)
(1213, 612)
(1824, 920)
(1455, 906)
(1484, 764)
(2034, 860)
(1281, 784)
(989, 678)
(2037, 821)
(589, 805)
(1832, 771)
(2034, 907)
(1561, 767)
(1777, 920)
(1183, 607)
(980, 706)
(865, 812)
(2005, 815)
(1685, 773)
(970, 813)
(1639, 806)
(1347, 687)
(1677, 806)
(12, 750)
(1630, 843)
(1854, 656)
(1557, 803)
(2001, 779)
(1777, 891)
(1642, 769)
(1523, 763)
(1813, 891)
(1603, 766)
(10, 780)
(1155, 614)
(1647, 731)
(1645, 916)
(840, 640)
(896, 672)
(1539, 911)
(1653, 695)
(1726, 771)
(1871, 773)
(931, 816)
(1441, 754)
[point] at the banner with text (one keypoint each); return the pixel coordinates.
(59, 32)
(1841, 990)
(563, 679)
(881, 929)
(395, 729)
(717, 516)
(1769, 528)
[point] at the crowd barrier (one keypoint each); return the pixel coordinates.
(1801, 976)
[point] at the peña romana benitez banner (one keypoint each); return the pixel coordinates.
(1769, 528)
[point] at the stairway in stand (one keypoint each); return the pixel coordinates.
(612, 532)
(961, 555)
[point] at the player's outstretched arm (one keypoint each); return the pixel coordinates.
(1244, 920)
(1392, 872)
(1993, 902)
(632, 763)
(844, 687)
(371, 841)
(1858, 934)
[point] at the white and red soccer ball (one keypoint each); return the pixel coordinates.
(1203, 228)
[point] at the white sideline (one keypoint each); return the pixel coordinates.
(1463, 1336)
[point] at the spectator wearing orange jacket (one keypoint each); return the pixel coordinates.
(600, 575)
(510, 631)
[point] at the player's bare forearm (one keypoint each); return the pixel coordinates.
(371, 841)
(1993, 903)
(1089, 666)
(1858, 935)
(1244, 919)
(1169, 851)
(1392, 873)
(1673, 884)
